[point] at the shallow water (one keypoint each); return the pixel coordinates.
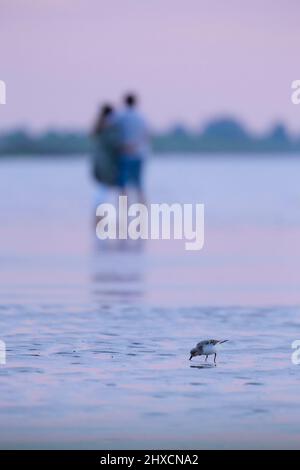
(98, 336)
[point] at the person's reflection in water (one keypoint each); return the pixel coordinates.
(118, 276)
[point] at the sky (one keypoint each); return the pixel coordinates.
(189, 60)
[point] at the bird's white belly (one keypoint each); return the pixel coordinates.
(209, 349)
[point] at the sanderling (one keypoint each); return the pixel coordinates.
(207, 348)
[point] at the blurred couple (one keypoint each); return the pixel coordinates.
(121, 143)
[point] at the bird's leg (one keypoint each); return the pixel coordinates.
(206, 358)
(215, 358)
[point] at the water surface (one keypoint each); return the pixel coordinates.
(98, 335)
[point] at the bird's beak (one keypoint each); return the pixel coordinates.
(191, 357)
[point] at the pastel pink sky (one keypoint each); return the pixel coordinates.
(189, 60)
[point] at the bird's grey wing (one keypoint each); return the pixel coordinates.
(217, 341)
(207, 341)
(202, 343)
(214, 341)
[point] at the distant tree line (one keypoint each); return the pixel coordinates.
(221, 135)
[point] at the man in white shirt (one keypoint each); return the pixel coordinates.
(134, 139)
